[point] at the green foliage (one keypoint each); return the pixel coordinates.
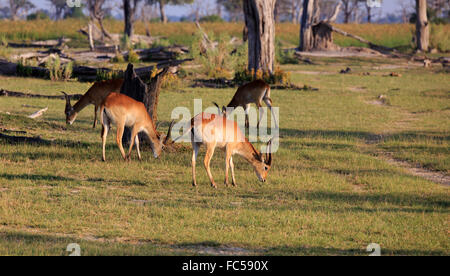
(439, 38)
(220, 61)
(133, 57)
(23, 70)
(125, 43)
(39, 15)
(162, 42)
(285, 56)
(211, 18)
(279, 76)
(67, 70)
(54, 67)
(108, 75)
(118, 58)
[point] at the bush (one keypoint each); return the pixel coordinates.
(67, 71)
(108, 75)
(23, 70)
(162, 42)
(54, 67)
(439, 38)
(118, 58)
(277, 77)
(133, 57)
(39, 15)
(221, 61)
(211, 18)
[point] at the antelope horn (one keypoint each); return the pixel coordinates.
(268, 158)
(68, 105)
(218, 108)
(169, 132)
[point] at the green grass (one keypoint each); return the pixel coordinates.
(327, 192)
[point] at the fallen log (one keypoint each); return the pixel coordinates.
(382, 49)
(6, 93)
(40, 44)
(86, 73)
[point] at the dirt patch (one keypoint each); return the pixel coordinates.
(358, 89)
(412, 169)
(417, 170)
(217, 250)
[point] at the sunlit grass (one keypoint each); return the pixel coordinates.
(327, 193)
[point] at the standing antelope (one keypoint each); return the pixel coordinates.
(125, 111)
(253, 92)
(95, 95)
(214, 131)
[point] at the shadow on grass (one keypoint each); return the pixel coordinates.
(49, 177)
(322, 251)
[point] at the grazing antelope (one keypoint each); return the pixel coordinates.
(95, 95)
(125, 111)
(253, 92)
(213, 131)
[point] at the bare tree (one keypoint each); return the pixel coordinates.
(406, 8)
(234, 8)
(60, 8)
(163, 3)
(129, 10)
(422, 26)
(349, 7)
(19, 7)
(306, 37)
(260, 24)
(97, 13)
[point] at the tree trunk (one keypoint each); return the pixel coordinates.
(259, 20)
(306, 38)
(422, 26)
(128, 16)
(162, 12)
(134, 87)
(369, 14)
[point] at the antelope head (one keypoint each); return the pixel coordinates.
(263, 163)
(157, 149)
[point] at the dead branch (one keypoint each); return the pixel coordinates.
(38, 113)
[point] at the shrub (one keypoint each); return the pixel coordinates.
(54, 67)
(221, 61)
(67, 70)
(285, 56)
(108, 75)
(118, 58)
(133, 57)
(277, 77)
(162, 42)
(23, 70)
(439, 38)
(39, 15)
(211, 18)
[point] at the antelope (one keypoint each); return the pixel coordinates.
(95, 95)
(253, 92)
(125, 111)
(213, 131)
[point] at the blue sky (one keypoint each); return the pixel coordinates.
(388, 6)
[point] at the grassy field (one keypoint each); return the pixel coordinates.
(329, 192)
(390, 35)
